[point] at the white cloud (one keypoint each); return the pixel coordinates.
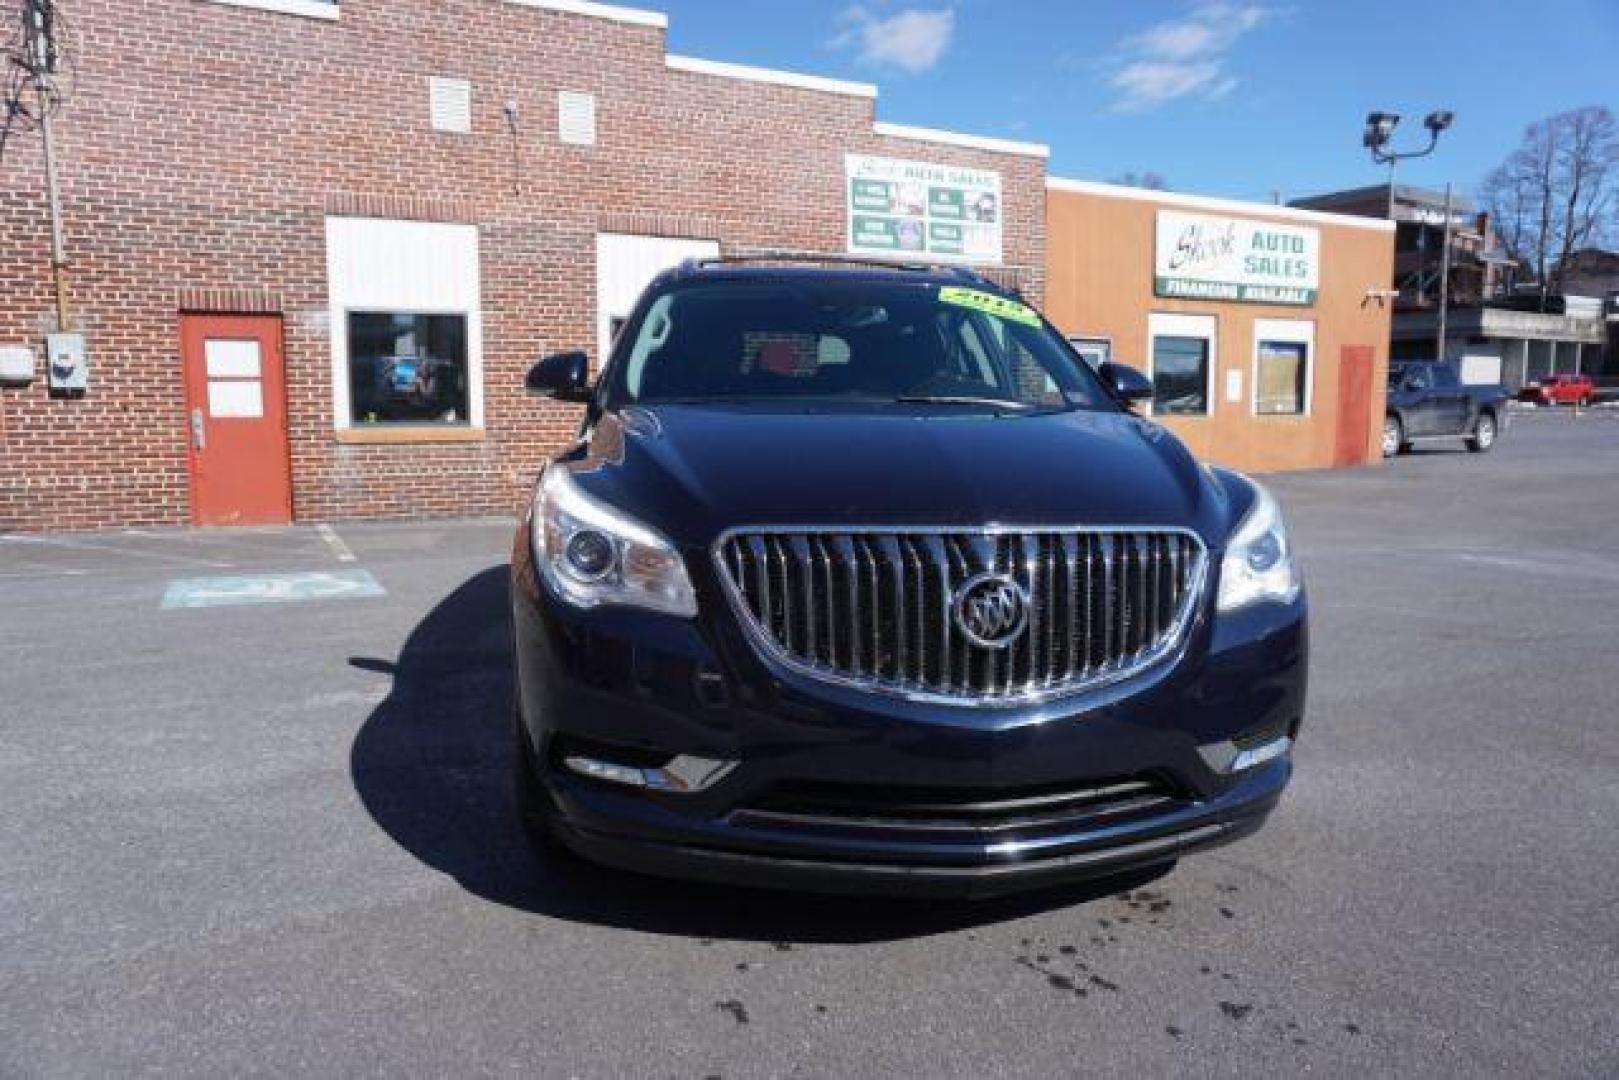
(1182, 58)
(912, 40)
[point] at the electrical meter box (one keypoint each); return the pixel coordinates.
(18, 365)
(66, 364)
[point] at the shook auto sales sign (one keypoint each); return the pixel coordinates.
(1216, 258)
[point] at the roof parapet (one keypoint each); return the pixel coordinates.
(1207, 202)
(771, 76)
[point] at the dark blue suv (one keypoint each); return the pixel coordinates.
(859, 579)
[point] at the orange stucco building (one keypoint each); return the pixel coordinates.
(1265, 329)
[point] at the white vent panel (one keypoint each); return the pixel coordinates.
(451, 105)
(576, 118)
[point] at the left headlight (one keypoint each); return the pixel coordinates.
(1259, 566)
(592, 555)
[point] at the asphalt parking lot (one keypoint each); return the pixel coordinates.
(275, 838)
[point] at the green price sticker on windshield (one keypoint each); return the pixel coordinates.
(989, 304)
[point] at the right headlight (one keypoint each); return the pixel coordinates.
(1259, 566)
(592, 554)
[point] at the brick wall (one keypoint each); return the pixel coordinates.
(205, 145)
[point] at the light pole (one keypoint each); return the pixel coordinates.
(1379, 133)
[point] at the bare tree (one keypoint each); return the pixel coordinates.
(1557, 192)
(1150, 180)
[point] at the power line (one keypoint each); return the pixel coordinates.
(35, 60)
(36, 67)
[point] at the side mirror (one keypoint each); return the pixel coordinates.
(564, 376)
(1127, 384)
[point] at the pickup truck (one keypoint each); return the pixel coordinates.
(1428, 400)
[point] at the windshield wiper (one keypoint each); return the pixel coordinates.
(961, 399)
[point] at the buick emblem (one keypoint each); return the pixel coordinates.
(991, 610)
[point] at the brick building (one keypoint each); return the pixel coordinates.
(1501, 330)
(389, 209)
(1265, 329)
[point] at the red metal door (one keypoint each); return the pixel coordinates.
(1355, 365)
(236, 420)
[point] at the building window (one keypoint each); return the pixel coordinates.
(407, 369)
(1183, 360)
(406, 324)
(1180, 375)
(1095, 351)
(1282, 353)
(625, 266)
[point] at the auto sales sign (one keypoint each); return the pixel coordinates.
(1216, 258)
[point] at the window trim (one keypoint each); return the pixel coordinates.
(340, 306)
(307, 9)
(1284, 332)
(408, 435)
(1189, 325)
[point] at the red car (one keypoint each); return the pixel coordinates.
(1561, 390)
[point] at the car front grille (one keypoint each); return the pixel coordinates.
(878, 609)
(958, 824)
(978, 810)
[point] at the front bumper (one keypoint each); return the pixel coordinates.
(1077, 857)
(647, 687)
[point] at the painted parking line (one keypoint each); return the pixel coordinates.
(270, 589)
(111, 548)
(335, 542)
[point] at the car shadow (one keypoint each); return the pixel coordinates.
(431, 765)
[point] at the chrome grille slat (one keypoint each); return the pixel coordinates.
(1109, 612)
(892, 563)
(1070, 574)
(755, 549)
(1139, 640)
(829, 599)
(987, 549)
(916, 610)
(850, 564)
(789, 624)
(873, 604)
(872, 608)
(939, 562)
(959, 572)
(1039, 597)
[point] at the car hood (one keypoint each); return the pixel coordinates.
(694, 471)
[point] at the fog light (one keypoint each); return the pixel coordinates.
(682, 775)
(1228, 757)
(1270, 751)
(608, 771)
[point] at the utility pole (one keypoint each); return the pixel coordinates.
(39, 31)
(1444, 278)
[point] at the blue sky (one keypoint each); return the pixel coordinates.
(1222, 97)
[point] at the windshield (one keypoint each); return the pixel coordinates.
(847, 341)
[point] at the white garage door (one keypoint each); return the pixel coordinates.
(625, 265)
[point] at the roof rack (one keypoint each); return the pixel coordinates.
(820, 259)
